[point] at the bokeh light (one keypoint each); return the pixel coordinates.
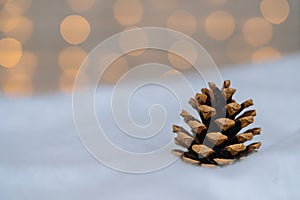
(182, 21)
(66, 82)
(70, 59)
(265, 53)
(238, 50)
(18, 85)
(19, 28)
(131, 41)
(115, 70)
(275, 11)
(2, 2)
(21, 5)
(16, 7)
(257, 31)
(75, 29)
(9, 23)
(187, 51)
(80, 5)
(32, 47)
(9, 10)
(26, 66)
(219, 25)
(10, 14)
(128, 13)
(10, 52)
(170, 73)
(18, 80)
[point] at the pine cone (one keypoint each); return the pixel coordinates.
(215, 140)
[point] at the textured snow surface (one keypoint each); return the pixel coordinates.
(41, 156)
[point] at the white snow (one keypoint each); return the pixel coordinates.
(41, 156)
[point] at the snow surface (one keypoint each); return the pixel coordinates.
(41, 156)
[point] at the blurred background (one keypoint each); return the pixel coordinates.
(43, 43)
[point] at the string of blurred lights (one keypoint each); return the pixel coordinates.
(244, 40)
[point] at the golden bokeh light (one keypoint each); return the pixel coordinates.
(188, 55)
(28, 60)
(80, 5)
(265, 53)
(219, 25)
(13, 8)
(26, 65)
(238, 50)
(170, 73)
(66, 82)
(70, 59)
(20, 28)
(75, 29)
(10, 10)
(115, 70)
(182, 21)
(18, 85)
(128, 13)
(275, 11)
(16, 7)
(9, 23)
(257, 31)
(132, 41)
(10, 52)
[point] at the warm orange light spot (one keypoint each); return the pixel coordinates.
(26, 65)
(18, 85)
(266, 53)
(188, 55)
(70, 59)
(171, 73)
(10, 52)
(134, 40)
(75, 29)
(182, 21)
(238, 50)
(128, 13)
(9, 23)
(115, 70)
(219, 25)
(275, 11)
(80, 5)
(19, 28)
(66, 82)
(16, 7)
(257, 31)
(29, 60)
(11, 10)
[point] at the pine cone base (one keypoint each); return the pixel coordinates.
(215, 139)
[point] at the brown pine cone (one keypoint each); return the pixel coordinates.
(215, 140)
